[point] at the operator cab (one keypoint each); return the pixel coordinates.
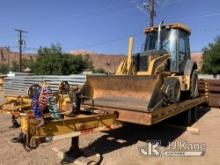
(172, 39)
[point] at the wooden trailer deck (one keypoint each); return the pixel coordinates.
(150, 118)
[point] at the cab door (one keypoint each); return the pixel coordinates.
(183, 51)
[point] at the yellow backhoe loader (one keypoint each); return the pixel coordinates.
(161, 75)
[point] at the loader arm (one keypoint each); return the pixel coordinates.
(126, 67)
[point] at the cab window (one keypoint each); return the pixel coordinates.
(183, 50)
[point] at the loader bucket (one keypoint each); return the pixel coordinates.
(138, 93)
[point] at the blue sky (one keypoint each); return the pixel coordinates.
(102, 26)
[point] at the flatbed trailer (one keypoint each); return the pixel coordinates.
(87, 122)
(100, 119)
(150, 118)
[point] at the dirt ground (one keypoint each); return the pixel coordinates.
(120, 146)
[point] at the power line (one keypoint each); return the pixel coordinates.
(97, 10)
(106, 42)
(168, 2)
(95, 44)
(148, 7)
(141, 9)
(21, 42)
(197, 17)
(206, 15)
(119, 39)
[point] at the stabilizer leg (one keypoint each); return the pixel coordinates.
(74, 151)
(14, 122)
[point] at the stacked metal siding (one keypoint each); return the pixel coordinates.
(18, 85)
(214, 92)
(211, 89)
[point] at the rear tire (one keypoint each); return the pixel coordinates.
(194, 91)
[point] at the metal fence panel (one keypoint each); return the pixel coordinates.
(18, 85)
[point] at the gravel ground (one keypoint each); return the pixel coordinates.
(120, 146)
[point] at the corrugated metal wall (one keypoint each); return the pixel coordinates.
(18, 85)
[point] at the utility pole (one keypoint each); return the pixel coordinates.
(21, 43)
(152, 12)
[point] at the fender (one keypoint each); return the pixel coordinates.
(189, 67)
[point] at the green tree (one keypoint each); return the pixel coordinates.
(27, 63)
(211, 58)
(14, 66)
(53, 61)
(3, 68)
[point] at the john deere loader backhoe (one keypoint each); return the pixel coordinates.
(161, 75)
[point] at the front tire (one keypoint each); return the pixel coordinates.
(171, 90)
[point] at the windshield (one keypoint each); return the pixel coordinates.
(168, 41)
